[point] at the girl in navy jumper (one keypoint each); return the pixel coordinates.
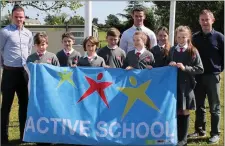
(186, 58)
(140, 57)
(90, 57)
(161, 50)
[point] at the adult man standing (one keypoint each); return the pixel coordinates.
(210, 45)
(126, 41)
(15, 46)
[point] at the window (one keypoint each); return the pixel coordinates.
(79, 37)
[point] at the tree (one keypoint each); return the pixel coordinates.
(95, 21)
(112, 21)
(61, 19)
(187, 13)
(6, 20)
(47, 6)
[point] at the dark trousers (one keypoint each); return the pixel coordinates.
(208, 85)
(13, 80)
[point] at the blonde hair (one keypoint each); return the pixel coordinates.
(113, 32)
(191, 49)
(142, 35)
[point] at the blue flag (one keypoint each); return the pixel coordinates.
(106, 106)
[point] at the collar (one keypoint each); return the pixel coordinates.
(71, 51)
(163, 46)
(135, 27)
(211, 32)
(86, 55)
(42, 53)
(141, 51)
(184, 47)
(112, 48)
(16, 27)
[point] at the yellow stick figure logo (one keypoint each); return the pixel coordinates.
(134, 93)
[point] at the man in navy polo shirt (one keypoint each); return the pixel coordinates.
(210, 44)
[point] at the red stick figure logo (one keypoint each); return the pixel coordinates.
(96, 86)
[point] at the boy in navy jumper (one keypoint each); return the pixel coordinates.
(186, 58)
(112, 54)
(42, 55)
(140, 58)
(68, 56)
(161, 51)
(210, 44)
(90, 57)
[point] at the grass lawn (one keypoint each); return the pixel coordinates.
(102, 38)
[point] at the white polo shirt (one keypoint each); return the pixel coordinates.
(127, 43)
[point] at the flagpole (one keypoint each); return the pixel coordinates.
(88, 18)
(172, 21)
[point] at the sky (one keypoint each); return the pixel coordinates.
(100, 10)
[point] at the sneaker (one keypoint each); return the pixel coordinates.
(196, 135)
(214, 139)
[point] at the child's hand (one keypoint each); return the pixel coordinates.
(172, 63)
(73, 65)
(106, 66)
(129, 68)
(181, 66)
(149, 67)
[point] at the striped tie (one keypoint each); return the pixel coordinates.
(138, 29)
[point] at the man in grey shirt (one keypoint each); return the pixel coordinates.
(15, 46)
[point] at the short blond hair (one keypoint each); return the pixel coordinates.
(143, 36)
(113, 32)
(207, 12)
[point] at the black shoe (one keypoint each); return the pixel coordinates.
(196, 135)
(4, 141)
(182, 143)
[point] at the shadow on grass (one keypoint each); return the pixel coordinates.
(17, 142)
(198, 140)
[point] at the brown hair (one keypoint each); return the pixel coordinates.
(148, 43)
(92, 39)
(113, 32)
(17, 8)
(167, 45)
(138, 9)
(206, 12)
(143, 36)
(68, 35)
(191, 49)
(40, 37)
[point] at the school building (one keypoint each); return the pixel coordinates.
(55, 32)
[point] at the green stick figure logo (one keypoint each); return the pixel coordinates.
(65, 76)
